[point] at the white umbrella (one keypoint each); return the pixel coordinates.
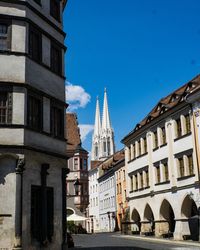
(75, 217)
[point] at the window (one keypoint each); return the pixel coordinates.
(57, 121)
(155, 139)
(55, 9)
(35, 44)
(181, 167)
(108, 146)
(141, 178)
(56, 59)
(136, 182)
(124, 174)
(96, 151)
(84, 164)
(81, 164)
(166, 172)
(179, 130)
(147, 177)
(76, 164)
(163, 135)
(104, 147)
(145, 145)
(34, 113)
(131, 180)
(190, 165)
(5, 107)
(5, 41)
(188, 125)
(158, 174)
(139, 147)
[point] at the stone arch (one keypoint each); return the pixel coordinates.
(148, 213)
(148, 224)
(168, 217)
(190, 211)
(135, 217)
(189, 207)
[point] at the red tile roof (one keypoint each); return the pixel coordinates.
(168, 102)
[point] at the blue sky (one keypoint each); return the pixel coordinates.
(140, 50)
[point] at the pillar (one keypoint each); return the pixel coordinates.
(18, 204)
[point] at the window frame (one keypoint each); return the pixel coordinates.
(55, 46)
(40, 116)
(56, 16)
(35, 31)
(8, 107)
(9, 34)
(55, 106)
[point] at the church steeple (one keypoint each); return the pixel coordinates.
(97, 134)
(106, 117)
(97, 125)
(103, 137)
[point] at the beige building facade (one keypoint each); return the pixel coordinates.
(161, 157)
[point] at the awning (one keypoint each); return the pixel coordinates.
(75, 217)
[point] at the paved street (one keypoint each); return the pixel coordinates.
(117, 242)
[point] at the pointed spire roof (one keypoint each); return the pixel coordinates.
(106, 117)
(97, 125)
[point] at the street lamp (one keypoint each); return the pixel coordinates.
(77, 185)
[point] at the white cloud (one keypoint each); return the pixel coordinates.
(85, 130)
(76, 96)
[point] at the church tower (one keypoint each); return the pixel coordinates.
(103, 137)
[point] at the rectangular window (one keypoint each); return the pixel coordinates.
(141, 178)
(85, 164)
(163, 135)
(34, 112)
(190, 163)
(56, 59)
(181, 167)
(139, 147)
(5, 107)
(136, 182)
(145, 145)
(131, 180)
(76, 164)
(104, 147)
(188, 125)
(81, 164)
(147, 177)
(158, 174)
(55, 9)
(35, 44)
(124, 174)
(5, 41)
(166, 172)
(57, 121)
(155, 139)
(179, 130)
(35, 212)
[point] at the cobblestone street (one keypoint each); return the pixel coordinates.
(117, 241)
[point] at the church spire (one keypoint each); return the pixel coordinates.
(106, 117)
(97, 125)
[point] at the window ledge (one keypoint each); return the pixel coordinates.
(155, 149)
(185, 177)
(162, 183)
(165, 144)
(137, 157)
(182, 136)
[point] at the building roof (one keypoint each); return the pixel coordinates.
(95, 164)
(72, 131)
(167, 103)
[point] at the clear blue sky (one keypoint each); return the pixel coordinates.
(141, 50)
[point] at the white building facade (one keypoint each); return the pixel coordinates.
(93, 222)
(162, 168)
(107, 201)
